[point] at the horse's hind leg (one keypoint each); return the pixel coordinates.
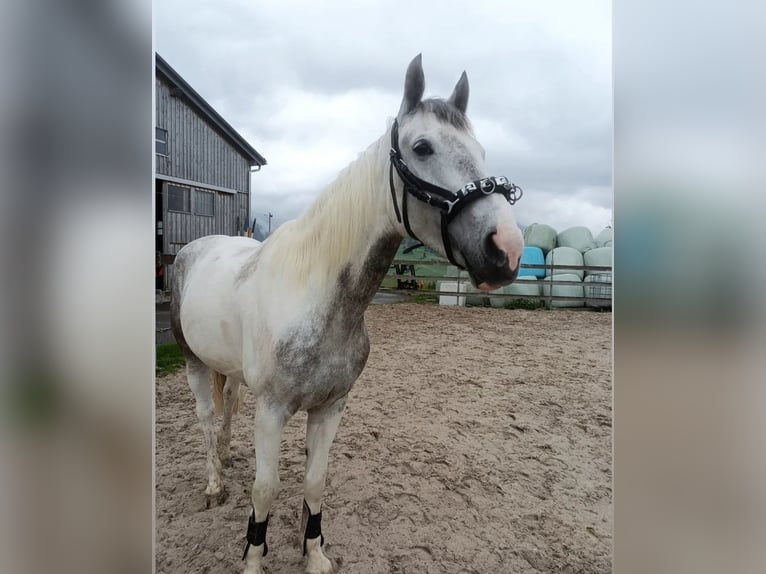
(230, 403)
(321, 428)
(198, 375)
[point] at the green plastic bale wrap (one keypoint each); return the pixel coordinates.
(604, 239)
(598, 257)
(597, 288)
(564, 256)
(540, 235)
(552, 289)
(525, 285)
(578, 237)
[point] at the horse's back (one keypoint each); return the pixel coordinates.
(203, 309)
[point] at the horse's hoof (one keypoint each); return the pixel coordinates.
(319, 564)
(217, 498)
(253, 569)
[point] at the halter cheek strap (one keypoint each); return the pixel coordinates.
(448, 202)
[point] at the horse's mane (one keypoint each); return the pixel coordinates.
(327, 235)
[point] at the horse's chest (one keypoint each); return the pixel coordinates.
(318, 367)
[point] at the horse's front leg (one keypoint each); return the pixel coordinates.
(320, 432)
(269, 423)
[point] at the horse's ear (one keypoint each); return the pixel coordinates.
(414, 86)
(459, 97)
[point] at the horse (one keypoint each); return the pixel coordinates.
(286, 316)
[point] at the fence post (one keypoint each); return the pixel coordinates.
(459, 277)
(550, 291)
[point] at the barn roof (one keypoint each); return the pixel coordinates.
(207, 111)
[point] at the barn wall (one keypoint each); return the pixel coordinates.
(230, 216)
(199, 153)
(196, 150)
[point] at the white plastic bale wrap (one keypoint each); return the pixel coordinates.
(498, 302)
(597, 288)
(577, 237)
(525, 285)
(599, 257)
(475, 297)
(604, 239)
(564, 256)
(540, 235)
(552, 289)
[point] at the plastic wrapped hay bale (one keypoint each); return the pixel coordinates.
(556, 290)
(474, 297)
(604, 239)
(540, 235)
(522, 286)
(532, 256)
(598, 257)
(564, 256)
(498, 302)
(578, 237)
(597, 288)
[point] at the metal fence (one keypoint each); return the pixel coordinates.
(599, 290)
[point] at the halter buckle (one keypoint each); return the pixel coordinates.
(468, 188)
(451, 204)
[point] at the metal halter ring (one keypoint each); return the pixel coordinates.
(487, 186)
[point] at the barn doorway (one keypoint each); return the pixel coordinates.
(159, 229)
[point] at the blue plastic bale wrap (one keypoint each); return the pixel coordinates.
(532, 256)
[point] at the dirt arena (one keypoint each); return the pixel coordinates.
(475, 441)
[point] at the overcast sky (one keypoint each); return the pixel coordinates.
(311, 84)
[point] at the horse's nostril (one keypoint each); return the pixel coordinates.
(496, 255)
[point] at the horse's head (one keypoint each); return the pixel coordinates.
(432, 140)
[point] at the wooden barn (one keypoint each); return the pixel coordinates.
(202, 170)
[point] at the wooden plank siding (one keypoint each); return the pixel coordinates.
(230, 217)
(201, 155)
(197, 151)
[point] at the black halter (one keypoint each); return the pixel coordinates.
(448, 202)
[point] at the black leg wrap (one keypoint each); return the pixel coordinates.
(256, 534)
(313, 527)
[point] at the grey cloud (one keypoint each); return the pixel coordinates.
(540, 75)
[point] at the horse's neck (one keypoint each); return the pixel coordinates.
(346, 239)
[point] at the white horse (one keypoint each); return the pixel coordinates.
(286, 316)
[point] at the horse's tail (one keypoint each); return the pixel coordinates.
(219, 382)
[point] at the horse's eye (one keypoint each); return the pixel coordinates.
(423, 148)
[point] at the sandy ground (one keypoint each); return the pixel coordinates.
(475, 441)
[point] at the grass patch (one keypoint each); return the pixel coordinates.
(169, 359)
(389, 282)
(424, 298)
